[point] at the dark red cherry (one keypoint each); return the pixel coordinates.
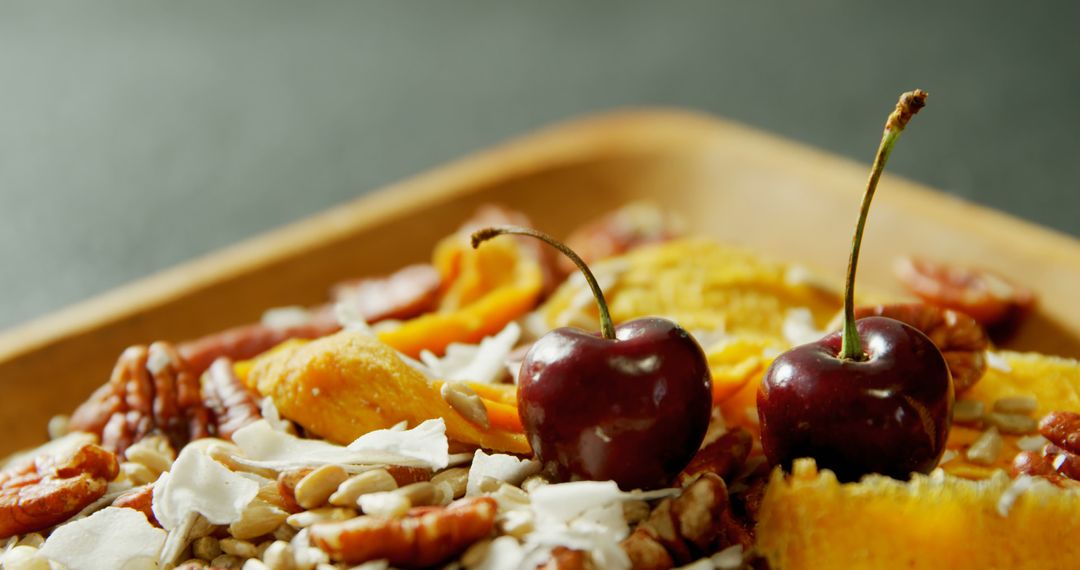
(874, 398)
(888, 414)
(633, 409)
(630, 404)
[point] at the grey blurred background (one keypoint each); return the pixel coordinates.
(137, 134)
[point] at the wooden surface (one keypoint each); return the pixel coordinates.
(727, 181)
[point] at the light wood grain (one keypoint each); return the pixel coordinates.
(726, 180)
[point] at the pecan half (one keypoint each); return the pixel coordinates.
(694, 524)
(49, 489)
(1062, 429)
(426, 536)
(151, 390)
(406, 293)
(249, 341)
(960, 339)
(233, 406)
(723, 457)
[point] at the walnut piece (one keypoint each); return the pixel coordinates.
(683, 529)
(152, 390)
(49, 489)
(723, 457)
(426, 536)
(233, 406)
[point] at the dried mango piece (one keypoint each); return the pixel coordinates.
(345, 385)
(486, 288)
(1054, 382)
(700, 284)
(811, 521)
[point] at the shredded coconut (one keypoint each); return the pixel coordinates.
(1021, 485)
(109, 538)
(996, 361)
(423, 446)
(500, 467)
(482, 362)
(197, 484)
(799, 327)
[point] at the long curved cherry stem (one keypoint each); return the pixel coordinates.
(607, 328)
(909, 104)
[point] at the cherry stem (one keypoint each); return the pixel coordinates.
(909, 104)
(607, 329)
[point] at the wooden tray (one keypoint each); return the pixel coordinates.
(727, 181)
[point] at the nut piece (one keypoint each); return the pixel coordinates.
(49, 489)
(1016, 405)
(987, 448)
(425, 537)
(723, 457)
(466, 402)
(316, 487)
(1063, 429)
(232, 404)
(960, 339)
(456, 477)
(374, 481)
(968, 411)
(151, 390)
(1012, 423)
(687, 527)
(139, 499)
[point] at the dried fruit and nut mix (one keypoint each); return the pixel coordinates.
(385, 427)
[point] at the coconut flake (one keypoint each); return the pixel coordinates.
(500, 467)
(730, 558)
(799, 327)
(109, 538)
(996, 361)
(1008, 498)
(564, 501)
(482, 362)
(423, 446)
(504, 552)
(286, 317)
(197, 484)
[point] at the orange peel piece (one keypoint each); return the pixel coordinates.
(345, 385)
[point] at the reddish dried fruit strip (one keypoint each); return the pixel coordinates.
(408, 292)
(47, 490)
(1062, 429)
(249, 341)
(987, 297)
(617, 232)
(961, 340)
(425, 537)
(230, 401)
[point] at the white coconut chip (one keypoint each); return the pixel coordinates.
(500, 467)
(286, 317)
(1021, 485)
(504, 552)
(997, 362)
(197, 484)
(482, 362)
(109, 538)
(799, 327)
(423, 446)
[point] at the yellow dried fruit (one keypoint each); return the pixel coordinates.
(345, 385)
(811, 521)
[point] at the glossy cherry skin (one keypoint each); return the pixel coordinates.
(888, 414)
(633, 409)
